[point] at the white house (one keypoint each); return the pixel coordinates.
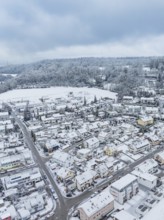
(83, 153)
(85, 179)
(103, 136)
(139, 146)
(148, 166)
(92, 143)
(4, 115)
(146, 179)
(62, 158)
(103, 170)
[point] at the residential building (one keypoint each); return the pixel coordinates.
(124, 188)
(160, 157)
(103, 136)
(85, 179)
(139, 146)
(97, 207)
(62, 158)
(148, 166)
(64, 173)
(145, 120)
(92, 143)
(146, 179)
(4, 115)
(10, 162)
(51, 145)
(29, 177)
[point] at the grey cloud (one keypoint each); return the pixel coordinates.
(40, 25)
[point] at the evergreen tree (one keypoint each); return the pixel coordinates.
(95, 99)
(85, 101)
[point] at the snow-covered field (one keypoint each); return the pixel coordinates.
(55, 92)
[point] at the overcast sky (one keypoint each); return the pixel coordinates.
(32, 30)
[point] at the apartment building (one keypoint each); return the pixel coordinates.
(124, 188)
(97, 207)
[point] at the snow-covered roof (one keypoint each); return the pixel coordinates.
(24, 213)
(145, 176)
(61, 156)
(4, 114)
(147, 165)
(97, 203)
(92, 141)
(84, 151)
(161, 154)
(86, 176)
(146, 118)
(63, 172)
(124, 182)
(123, 215)
(9, 159)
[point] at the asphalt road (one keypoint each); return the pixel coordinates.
(66, 205)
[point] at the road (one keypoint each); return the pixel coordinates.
(64, 205)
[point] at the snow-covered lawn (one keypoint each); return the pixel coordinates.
(157, 213)
(55, 92)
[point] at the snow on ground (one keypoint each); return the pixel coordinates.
(55, 92)
(157, 213)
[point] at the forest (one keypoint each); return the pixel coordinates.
(125, 74)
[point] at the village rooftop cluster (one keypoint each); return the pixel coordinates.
(106, 148)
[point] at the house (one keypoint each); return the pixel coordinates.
(139, 146)
(133, 108)
(85, 179)
(83, 153)
(102, 170)
(151, 110)
(47, 120)
(97, 207)
(145, 120)
(51, 145)
(92, 143)
(36, 203)
(127, 99)
(124, 188)
(27, 177)
(160, 157)
(4, 116)
(35, 128)
(64, 173)
(145, 100)
(24, 214)
(103, 136)
(5, 216)
(10, 162)
(146, 179)
(117, 107)
(62, 158)
(154, 139)
(110, 150)
(91, 118)
(148, 166)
